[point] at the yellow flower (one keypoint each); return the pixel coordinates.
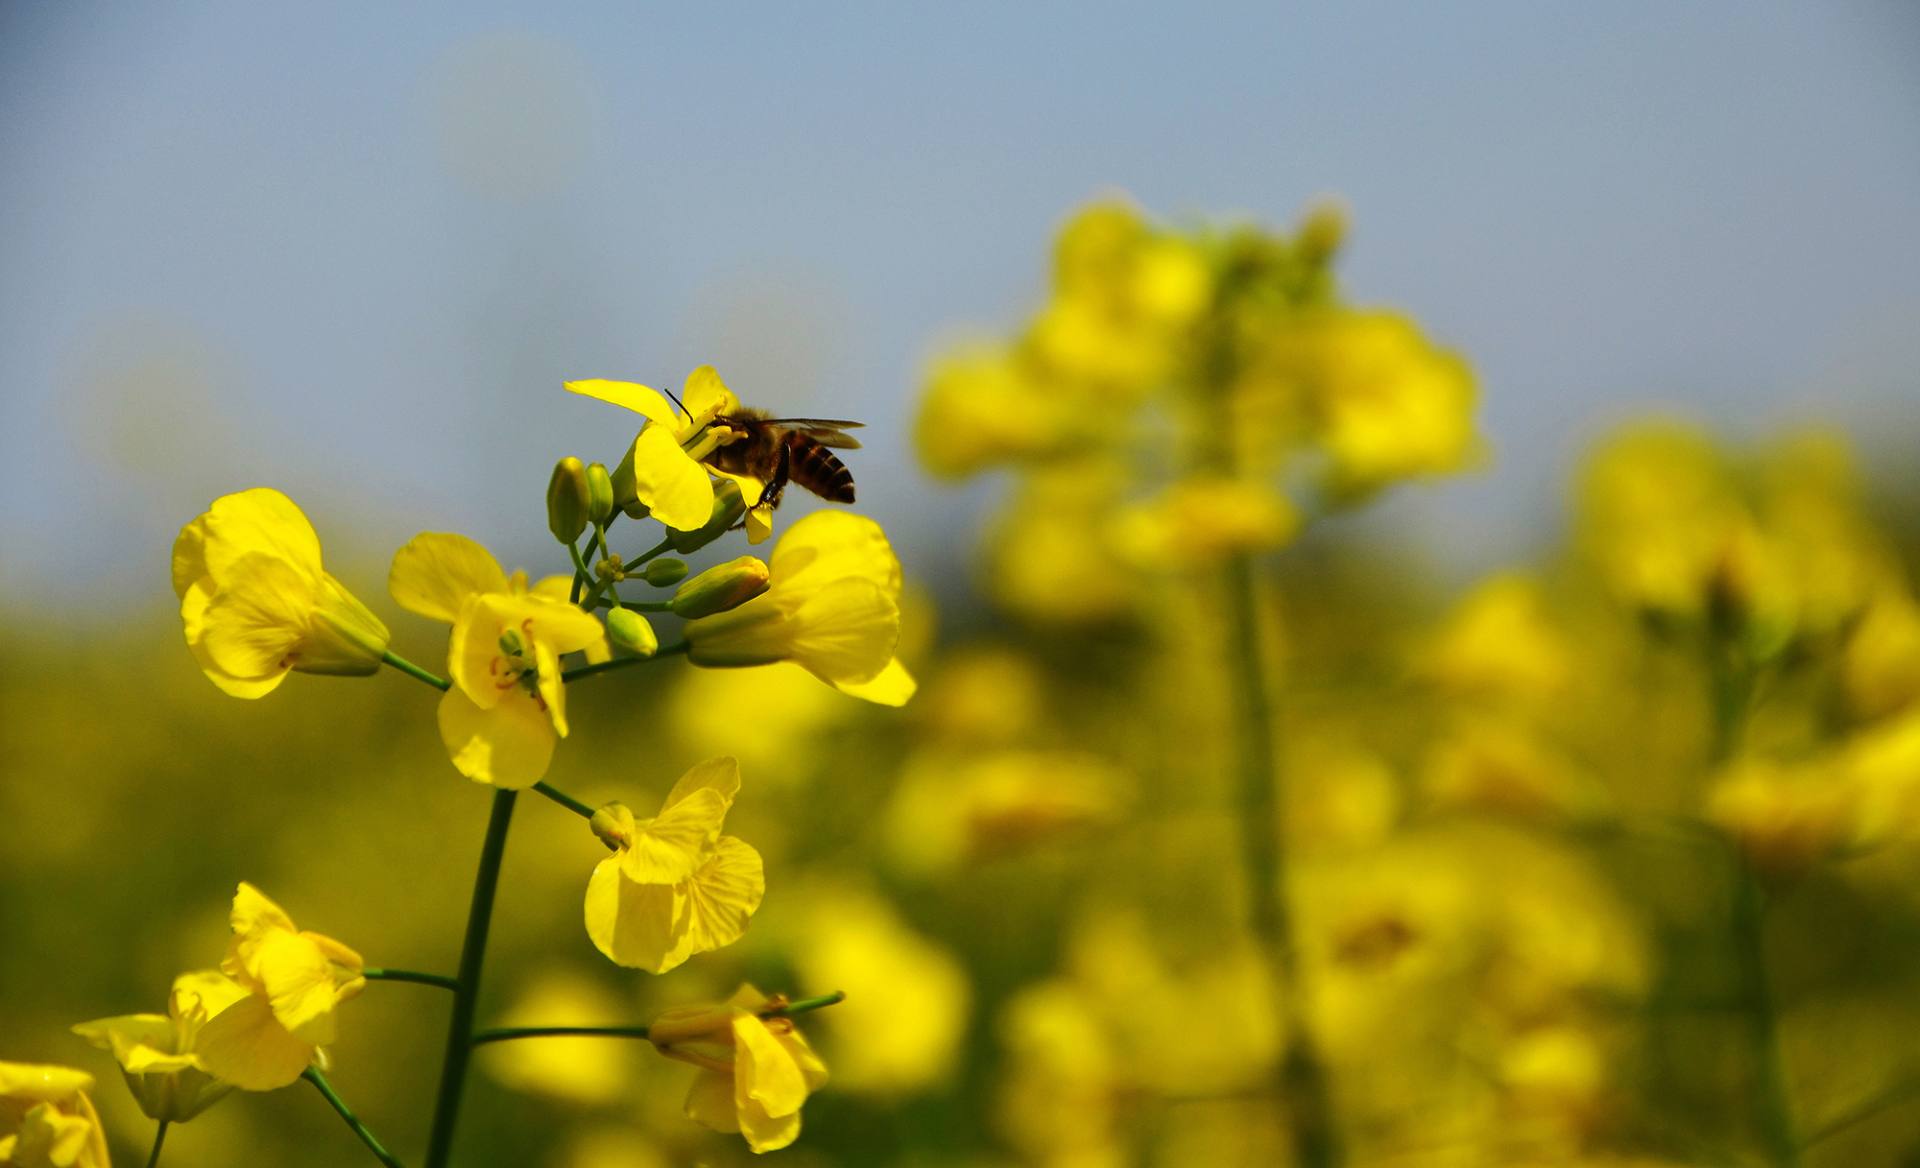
(833, 609)
(507, 704)
(1202, 519)
(755, 1072)
(46, 1119)
(663, 471)
(674, 886)
(292, 982)
(256, 602)
(1389, 403)
(1500, 643)
(157, 1052)
(982, 407)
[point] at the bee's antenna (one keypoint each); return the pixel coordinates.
(677, 403)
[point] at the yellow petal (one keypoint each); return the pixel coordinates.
(299, 984)
(710, 1102)
(254, 915)
(673, 487)
(189, 555)
(567, 628)
(473, 651)
(706, 396)
(631, 395)
(721, 775)
(553, 692)
(894, 686)
(193, 615)
(508, 746)
(830, 544)
(764, 1070)
(846, 631)
(671, 846)
(436, 571)
(131, 1037)
(255, 623)
(245, 1045)
(632, 924)
(262, 521)
(719, 899)
(759, 523)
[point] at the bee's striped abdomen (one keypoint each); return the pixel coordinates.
(818, 469)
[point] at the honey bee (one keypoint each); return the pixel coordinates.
(781, 450)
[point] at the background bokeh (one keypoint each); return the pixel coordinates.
(352, 252)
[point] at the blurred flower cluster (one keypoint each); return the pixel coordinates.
(1608, 858)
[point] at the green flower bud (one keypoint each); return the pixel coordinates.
(567, 499)
(728, 507)
(630, 631)
(599, 493)
(720, 588)
(661, 573)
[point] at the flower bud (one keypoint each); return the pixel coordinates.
(728, 507)
(702, 1035)
(630, 631)
(1322, 232)
(567, 499)
(722, 587)
(661, 573)
(599, 493)
(613, 825)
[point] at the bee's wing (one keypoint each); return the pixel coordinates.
(825, 431)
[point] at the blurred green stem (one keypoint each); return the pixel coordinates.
(432, 979)
(411, 670)
(159, 1138)
(473, 951)
(1302, 1079)
(564, 799)
(508, 1033)
(367, 1137)
(1731, 682)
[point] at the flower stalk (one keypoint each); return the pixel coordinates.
(339, 1105)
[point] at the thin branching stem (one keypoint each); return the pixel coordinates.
(360, 1129)
(411, 670)
(509, 1033)
(432, 979)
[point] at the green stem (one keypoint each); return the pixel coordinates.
(411, 670)
(1302, 1080)
(580, 573)
(509, 1033)
(432, 979)
(159, 1138)
(580, 671)
(367, 1137)
(652, 553)
(1731, 681)
(473, 951)
(565, 800)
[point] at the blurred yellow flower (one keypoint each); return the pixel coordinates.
(948, 812)
(1500, 644)
(674, 886)
(1881, 663)
(590, 1071)
(908, 998)
(982, 407)
(292, 982)
(1200, 519)
(755, 1072)
(1389, 403)
(158, 1053)
(507, 703)
(257, 604)
(833, 608)
(46, 1119)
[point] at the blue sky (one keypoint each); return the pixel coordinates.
(352, 250)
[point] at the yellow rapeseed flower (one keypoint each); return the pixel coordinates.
(292, 982)
(664, 470)
(674, 886)
(46, 1119)
(256, 602)
(833, 608)
(507, 704)
(755, 1072)
(158, 1053)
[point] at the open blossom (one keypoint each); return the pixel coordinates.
(664, 470)
(291, 983)
(833, 608)
(257, 604)
(674, 886)
(158, 1052)
(507, 705)
(46, 1119)
(755, 1072)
